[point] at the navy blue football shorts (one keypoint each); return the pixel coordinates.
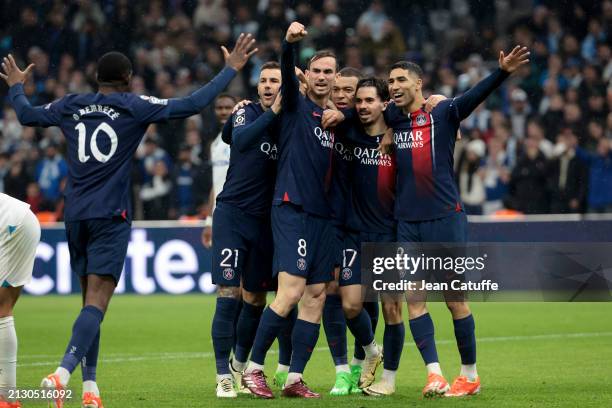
(242, 249)
(350, 268)
(304, 244)
(98, 246)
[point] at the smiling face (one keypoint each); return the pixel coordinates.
(369, 105)
(321, 76)
(268, 86)
(404, 86)
(343, 92)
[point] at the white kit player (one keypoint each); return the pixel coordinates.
(19, 236)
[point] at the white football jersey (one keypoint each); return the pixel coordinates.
(12, 212)
(219, 159)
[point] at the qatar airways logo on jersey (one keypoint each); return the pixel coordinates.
(408, 139)
(270, 150)
(343, 151)
(370, 156)
(326, 138)
(107, 110)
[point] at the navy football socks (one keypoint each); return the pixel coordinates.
(422, 329)
(285, 348)
(361, 327)
(305, 336)
(270, 325)
(393, 344)
(223, 332)
(372, 309)
(334, 325)
(466, 339)
(84, 331)
(89, 363)
(246, 328)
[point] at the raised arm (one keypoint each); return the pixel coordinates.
(290, 84)
(27, 114)
(466, 103)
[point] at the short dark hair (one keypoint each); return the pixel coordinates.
(114, 68)
(408, 66)
(349, 72)
(226, 95)
(382, 89)
(322, 54)
(270, 65)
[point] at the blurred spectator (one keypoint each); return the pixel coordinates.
(155, 193)
(50, 173)
(182, 182)
(496, 175)
(527, 188)
(567, 177)
(471, 178)
(16, 180)
(151, 154)
(600, 176)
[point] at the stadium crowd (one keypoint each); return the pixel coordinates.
(542, 144)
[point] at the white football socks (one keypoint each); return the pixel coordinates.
(292, 378)
(356, 362)
(388, 376)
(8, 355)
(252, 367)
(91, 386)
(469, 371)
(281, 368)
(371, 349)
(342, 368)
(64, 375)
(434, 368)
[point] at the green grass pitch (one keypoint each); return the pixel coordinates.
(156, 351)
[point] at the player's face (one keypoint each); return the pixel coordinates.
(403, 86)
(268, 86)
(369, 105)
(343, 92)
(223, 109)
(321, 76)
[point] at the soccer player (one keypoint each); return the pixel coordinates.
(302, 230)
(334, 322)
(242, 235)
(103, 131)
(19, 236)
(428, 208)
(370, 219)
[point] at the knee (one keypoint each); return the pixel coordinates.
(459, 310)
(286, 299)
(351, 309)
(254, 298)
(232, 292)
(392, 312)
(314, 299)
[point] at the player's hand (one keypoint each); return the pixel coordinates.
(386, 144)
(517, 58)
(207, 237)
(241, 105)
(433, 101)
(331, 105)
(331, 118)
(295, 32)
(276, 106)
(302, 79)
(12, 74)
(458, 134)
(241, 52)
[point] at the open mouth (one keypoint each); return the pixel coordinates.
(398, 96)
(341, 105)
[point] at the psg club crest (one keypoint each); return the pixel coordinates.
(301, 264)
(346, 274)
(228, 274)
(421, 119)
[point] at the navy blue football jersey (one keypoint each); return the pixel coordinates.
(425, 143)
(304, 174)
(102, 134)
(251, 175)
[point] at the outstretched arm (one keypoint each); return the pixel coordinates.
(27, 114)
(466, 103)
(234, 61)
